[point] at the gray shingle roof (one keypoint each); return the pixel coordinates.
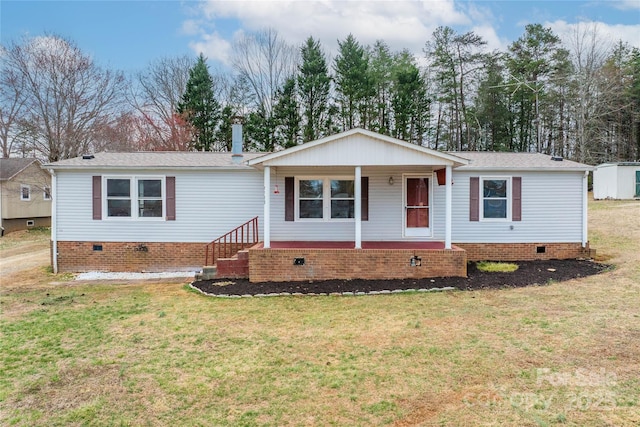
(12, 166)
(204, 160)
(155, 160)
(516, 161)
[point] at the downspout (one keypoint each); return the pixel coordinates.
(585, 205)
(54, 221)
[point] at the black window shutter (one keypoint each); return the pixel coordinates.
(364, 198)
(170, 184)
(97, 197)
(516, 203)
(474, 198)
(289, 198)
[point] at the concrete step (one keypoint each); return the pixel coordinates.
(209, 272)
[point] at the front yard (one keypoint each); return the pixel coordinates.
(145, 353)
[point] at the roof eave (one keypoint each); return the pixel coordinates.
(527, 169)
(146, 168)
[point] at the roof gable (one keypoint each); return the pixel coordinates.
(357, 147)
(11, 167)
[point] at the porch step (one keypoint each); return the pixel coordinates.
(235, 267)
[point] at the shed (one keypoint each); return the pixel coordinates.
(616, 181)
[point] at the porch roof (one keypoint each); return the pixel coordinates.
(358, 147)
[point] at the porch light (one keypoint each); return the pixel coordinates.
(390, 180)
(276, 190)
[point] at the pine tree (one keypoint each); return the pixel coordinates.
(353, 83)
(286, 115)
(199, 106)
(313, 87)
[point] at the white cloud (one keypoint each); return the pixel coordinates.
(626, 4)
(611, 33)
(213, 47)
(401, 24)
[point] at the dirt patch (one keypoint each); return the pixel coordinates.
(528, 273)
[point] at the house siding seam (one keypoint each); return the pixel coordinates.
(208, 204)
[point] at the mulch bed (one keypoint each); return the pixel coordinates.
(529, 273)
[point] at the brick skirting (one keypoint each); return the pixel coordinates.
(523, 251)
(131, 256)
(322, 264)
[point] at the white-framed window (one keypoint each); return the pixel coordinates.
(46, 193)
(134, 197)
(495, 203)
(25, 193)
(325, 198)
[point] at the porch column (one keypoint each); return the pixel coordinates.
(267, 207)
(585, 208)
(447, 223)
(357, 211)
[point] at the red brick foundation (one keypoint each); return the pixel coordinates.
(523, 251)
(321, 264)
(131, 256)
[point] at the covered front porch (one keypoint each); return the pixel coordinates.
(356, 205)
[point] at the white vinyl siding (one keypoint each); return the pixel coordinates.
(551, 210)
(208, 204)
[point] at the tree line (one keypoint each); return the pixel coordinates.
(578, 99)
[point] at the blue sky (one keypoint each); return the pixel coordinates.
(127, 35)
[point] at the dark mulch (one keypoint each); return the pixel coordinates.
(529, 273)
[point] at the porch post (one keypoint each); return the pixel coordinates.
(267, 207)
(358, 207)
(447, 224)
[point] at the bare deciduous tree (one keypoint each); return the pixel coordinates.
(67, 97)
(11, 107)
(265, 61)
(155, 98)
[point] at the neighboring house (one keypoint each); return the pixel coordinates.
(353, 205)
(25, 195)
(616, 181)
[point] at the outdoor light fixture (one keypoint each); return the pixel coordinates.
(390, 180)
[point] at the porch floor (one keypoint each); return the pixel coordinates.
(350, 245)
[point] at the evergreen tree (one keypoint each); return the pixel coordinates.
(199, 106)
(286, 115)
(353, 83)
(313, 87)
(224, 132)
(381, 66)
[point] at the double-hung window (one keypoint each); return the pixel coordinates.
(134, 197)
(326, 198)
(496, 198)
(25, 193)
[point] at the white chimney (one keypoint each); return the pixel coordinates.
(236, 139)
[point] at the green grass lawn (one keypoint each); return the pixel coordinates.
(160, 354)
